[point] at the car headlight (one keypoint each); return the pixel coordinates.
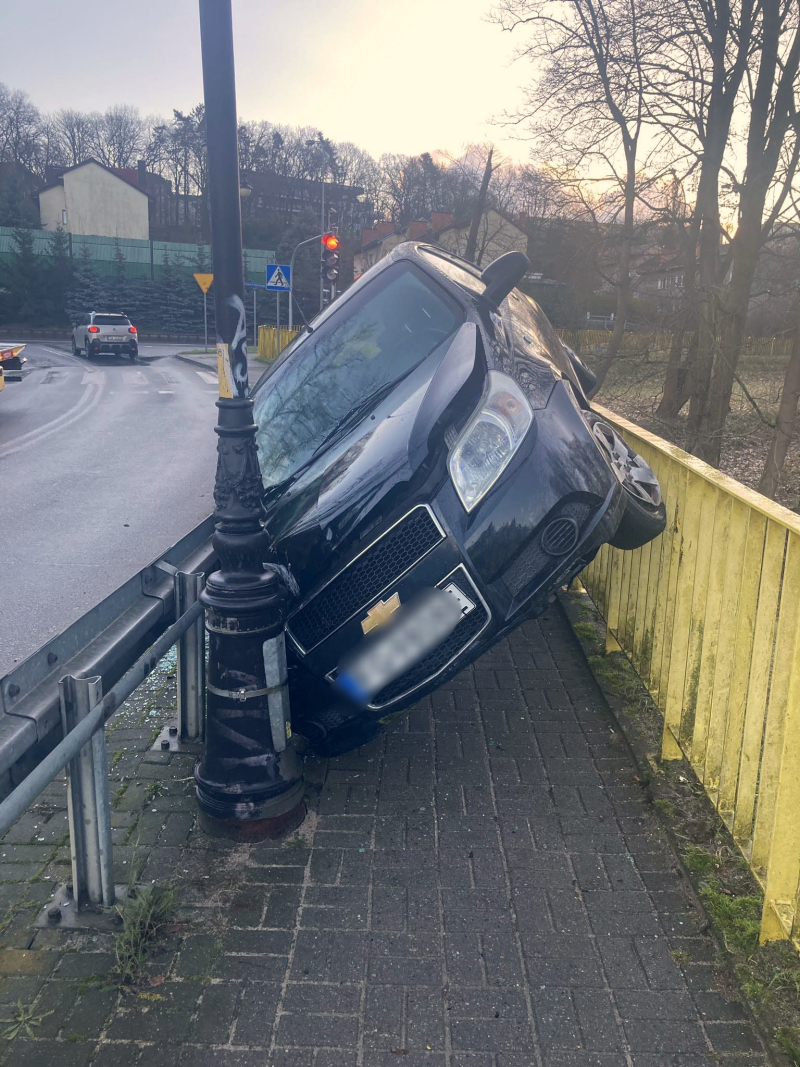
(489, 440)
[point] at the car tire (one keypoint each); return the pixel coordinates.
(645, 516)
(133, 357)
(75, 350)
(639, 524)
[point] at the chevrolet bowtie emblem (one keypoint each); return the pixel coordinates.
(380, 612)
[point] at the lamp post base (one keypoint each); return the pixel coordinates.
(253, 829)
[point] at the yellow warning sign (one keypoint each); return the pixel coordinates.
(204, 281)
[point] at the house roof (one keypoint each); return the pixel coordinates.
(85, 163)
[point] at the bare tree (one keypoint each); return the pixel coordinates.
(74, 130)
(772, 116)
(19, 127)
(586, 105)
(119, 136)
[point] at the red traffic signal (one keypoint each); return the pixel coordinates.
(331, 241)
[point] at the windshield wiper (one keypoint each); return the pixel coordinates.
(351, 417)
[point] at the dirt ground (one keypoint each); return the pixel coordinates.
(633, 390)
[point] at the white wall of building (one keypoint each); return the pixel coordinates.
(97, 203)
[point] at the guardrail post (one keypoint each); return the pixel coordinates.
(88, 800)
(191, 660)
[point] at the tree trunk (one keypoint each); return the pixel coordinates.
(675, 392)
(708, 213)
(624, 277)
(785, 426)
(480, 207)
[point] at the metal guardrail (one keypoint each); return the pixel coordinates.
(709, 615)
(103, 643)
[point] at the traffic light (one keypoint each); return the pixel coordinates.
(329, 266)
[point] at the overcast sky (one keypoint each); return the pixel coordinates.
(390, 75)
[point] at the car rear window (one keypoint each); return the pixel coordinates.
(111, 320)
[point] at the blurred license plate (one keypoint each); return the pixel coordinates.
(416, 630)
(113, 337)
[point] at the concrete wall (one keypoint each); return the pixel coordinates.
(97, 203)
(51, 203)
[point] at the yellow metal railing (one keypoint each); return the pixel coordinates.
(708, 614)
(268, 340)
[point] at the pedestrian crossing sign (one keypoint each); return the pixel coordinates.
(279, 277)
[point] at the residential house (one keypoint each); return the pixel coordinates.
(92, 199)
(498, 233)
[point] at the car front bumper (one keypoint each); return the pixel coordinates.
(530, 535)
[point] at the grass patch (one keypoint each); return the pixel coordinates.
(120, 793)
(152, 792)
(666, 807)
(586, 630)
(115, 758)
(738, 918)
(296, 842)
(143, 917)
(699, 860)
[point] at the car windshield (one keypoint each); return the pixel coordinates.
(111, 320)
(373, 339)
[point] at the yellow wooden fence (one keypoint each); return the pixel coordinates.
(268, 340)
(708, 614)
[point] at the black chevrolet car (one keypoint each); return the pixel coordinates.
(433, 473)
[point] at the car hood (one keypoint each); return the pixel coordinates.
(377, 462)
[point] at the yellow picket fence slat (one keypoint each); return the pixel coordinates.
(268, 340)
(709, 615)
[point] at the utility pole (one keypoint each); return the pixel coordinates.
(249, 781)
(323, 228)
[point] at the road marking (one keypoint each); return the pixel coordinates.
(89, 399)
(208, 377)
(134, 377)
(93, 377)
(166, 392)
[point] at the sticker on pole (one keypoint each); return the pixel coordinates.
(204, 281)
(279, 277)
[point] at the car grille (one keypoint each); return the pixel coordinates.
(368, 575)
(540, 554)
(469, 627)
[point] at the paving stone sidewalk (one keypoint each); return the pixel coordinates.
(483, 886)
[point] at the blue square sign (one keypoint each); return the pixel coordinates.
(279, 277)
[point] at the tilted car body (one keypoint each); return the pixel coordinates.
(431, 434)
(104, 331)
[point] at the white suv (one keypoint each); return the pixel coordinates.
(100, 331)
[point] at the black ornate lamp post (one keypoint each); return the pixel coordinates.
(249, 781)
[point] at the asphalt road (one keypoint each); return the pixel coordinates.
(103, 466)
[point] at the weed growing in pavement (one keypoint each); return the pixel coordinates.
(737, 917)
(788, 1039)
(24, 1021)
(143, 917)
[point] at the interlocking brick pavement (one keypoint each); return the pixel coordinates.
(483, 886)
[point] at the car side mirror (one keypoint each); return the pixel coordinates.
(503, 274)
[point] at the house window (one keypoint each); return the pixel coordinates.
(64, 216)
(679, 281)
(662, 283)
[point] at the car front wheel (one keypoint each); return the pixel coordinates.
(645, 516)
